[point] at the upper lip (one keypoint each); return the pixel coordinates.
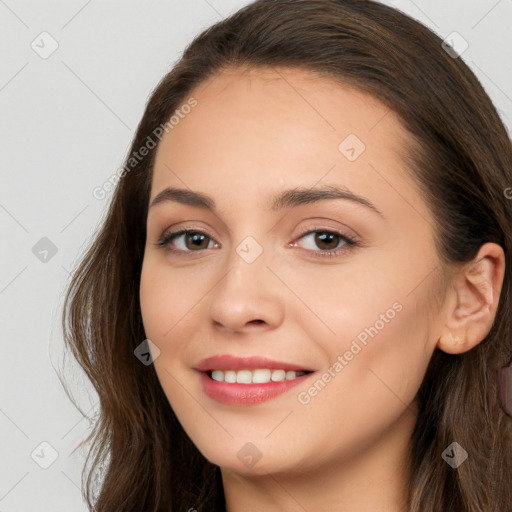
(229, 362)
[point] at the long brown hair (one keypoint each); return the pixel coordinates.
(461, 160)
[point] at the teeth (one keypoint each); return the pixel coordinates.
(260, 376)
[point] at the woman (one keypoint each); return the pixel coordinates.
(270, 371)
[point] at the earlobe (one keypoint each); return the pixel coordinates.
(475, 296)
(453, 343)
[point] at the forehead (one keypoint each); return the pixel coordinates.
(265, 130)
(276, 106)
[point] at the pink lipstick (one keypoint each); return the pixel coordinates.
(248, 380)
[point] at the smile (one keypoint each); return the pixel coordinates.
(259, 376)
(249, 393)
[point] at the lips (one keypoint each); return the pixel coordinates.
(241, 393)
(229, 362)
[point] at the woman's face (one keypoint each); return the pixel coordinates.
(253, 279)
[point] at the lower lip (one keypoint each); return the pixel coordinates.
(247, 394)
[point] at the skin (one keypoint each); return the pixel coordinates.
(254, 134)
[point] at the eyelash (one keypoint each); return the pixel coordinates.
(164, 241)
(166, 238)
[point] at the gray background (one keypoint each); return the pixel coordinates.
(67, 120)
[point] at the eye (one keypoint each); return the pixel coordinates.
(329, 241)
(192, 240)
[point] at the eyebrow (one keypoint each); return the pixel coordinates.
(287, 199)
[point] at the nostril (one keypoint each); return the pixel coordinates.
(257, 322)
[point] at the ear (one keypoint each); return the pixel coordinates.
(473, 300)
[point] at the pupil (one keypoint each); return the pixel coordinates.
(325, 236)
(196, 237)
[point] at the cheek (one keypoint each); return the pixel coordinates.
(388, 370)
(398, 355)
(167, 299)
(378, 325)
(378, 379)
(340, 304)
(153, 300)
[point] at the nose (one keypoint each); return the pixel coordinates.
(248, 296)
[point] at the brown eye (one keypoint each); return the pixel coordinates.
(327, 243)
(324, 240)
(185, 240)
(196, 240)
